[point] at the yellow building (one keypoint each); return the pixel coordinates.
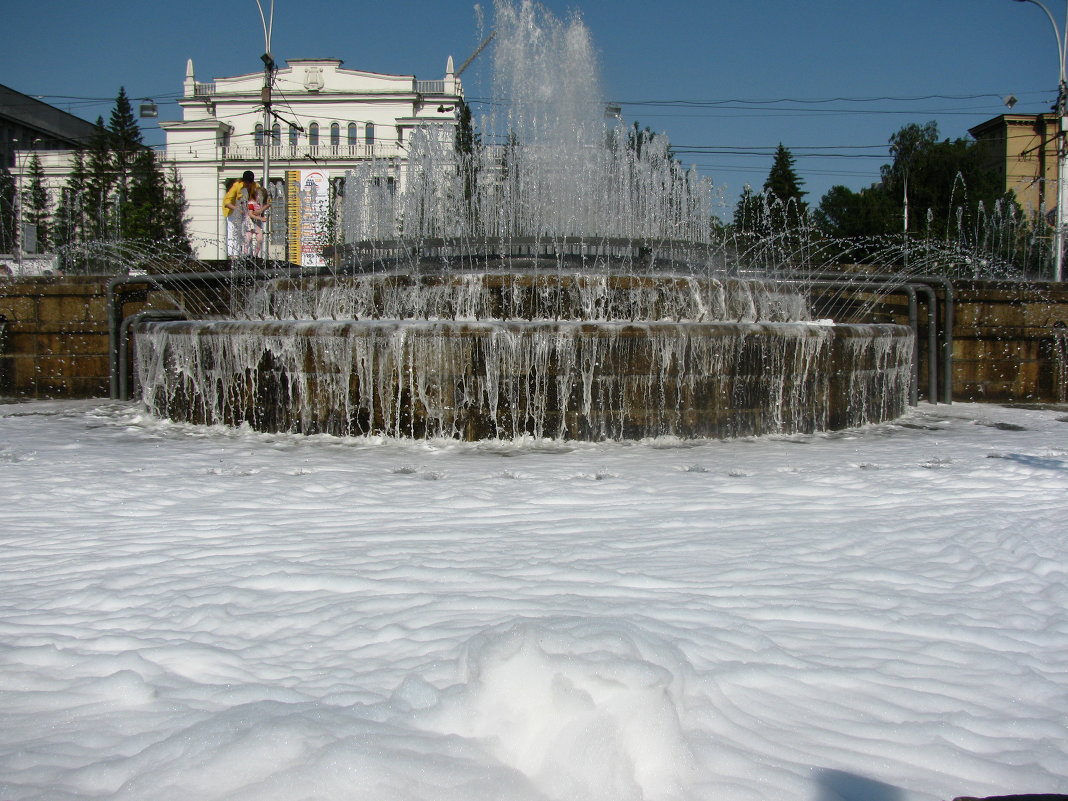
(1022, 148)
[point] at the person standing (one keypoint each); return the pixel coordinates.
(254, 218)
(235, 208)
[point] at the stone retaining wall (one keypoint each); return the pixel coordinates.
(55, 339)
(1009, 339)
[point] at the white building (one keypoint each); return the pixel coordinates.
(326, 120)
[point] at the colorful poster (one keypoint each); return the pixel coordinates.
(309, 214)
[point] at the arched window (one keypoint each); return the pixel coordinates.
(259, 135)
(369, 133)
(313, 134)
(276, 135)
(294, 136)
(354, 136)
(335, 135)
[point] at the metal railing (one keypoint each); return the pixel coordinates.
(379, 150)
(430, 87)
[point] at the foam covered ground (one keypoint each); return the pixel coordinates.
(187, 613)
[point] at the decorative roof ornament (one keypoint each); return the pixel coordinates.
(313, 79)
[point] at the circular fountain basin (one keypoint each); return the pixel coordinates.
(575, 379)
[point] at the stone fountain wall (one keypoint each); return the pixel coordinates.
(566, 380)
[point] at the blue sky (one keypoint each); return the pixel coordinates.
(728, 81)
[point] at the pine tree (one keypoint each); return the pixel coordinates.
(100, 179)
(142, 204)
(69, 222)
(468, 145)
(749, 214)
(125, 143)
(782, 182)
(8, 239)
(175, 207)
(36, 204)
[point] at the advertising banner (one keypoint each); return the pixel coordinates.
(308, 215)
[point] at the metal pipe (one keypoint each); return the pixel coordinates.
(114, 303)
(947, 326)
(947, 330)
(904, 289)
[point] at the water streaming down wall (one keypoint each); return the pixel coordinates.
(567, 379)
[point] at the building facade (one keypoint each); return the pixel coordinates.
(325, 120)
(27, 123)
(1022, 149)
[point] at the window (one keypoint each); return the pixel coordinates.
(354, 138)
(259, 136)
(335, 135)
(313, 134)
(294, 136)
(276, 135)
(369, 133)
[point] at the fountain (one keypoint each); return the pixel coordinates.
(561, 279)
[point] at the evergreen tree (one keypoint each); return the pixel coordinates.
(779, 207)
(125, 143)
(99, 182)
(468, 145)
(142, 205)
(782, 182)
(749, 213)
(8, 215)
(175, 207)
(69, 222)
(36, 204)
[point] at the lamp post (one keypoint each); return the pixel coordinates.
(268, 132)
(1061, 34)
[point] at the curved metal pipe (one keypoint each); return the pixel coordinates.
(164, 281)
(905, 289)
(947, 325)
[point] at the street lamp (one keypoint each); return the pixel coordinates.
(265, 97)
(1061, 35)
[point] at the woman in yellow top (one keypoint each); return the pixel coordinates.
(235, 206)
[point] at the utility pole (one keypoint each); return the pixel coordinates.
(1061, 110)
(268, 130)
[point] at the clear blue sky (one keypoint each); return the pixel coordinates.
(727, 81)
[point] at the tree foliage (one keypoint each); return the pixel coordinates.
(69, 224)
(36, 203)
(783, 182)
(933, 189)
(8, 237)
(118, 189)
(780, 207)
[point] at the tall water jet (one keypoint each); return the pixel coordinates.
(561, 280)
